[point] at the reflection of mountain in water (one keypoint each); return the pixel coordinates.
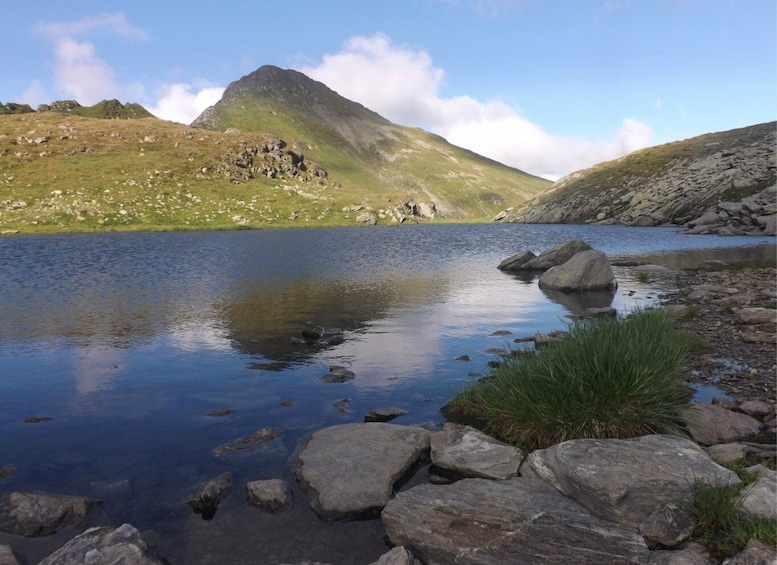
(268, 322)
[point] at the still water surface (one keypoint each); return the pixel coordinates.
(127, 340)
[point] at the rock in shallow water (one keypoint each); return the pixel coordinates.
(349, 470)
(34, 514)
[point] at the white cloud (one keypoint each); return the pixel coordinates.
(178, 103)
(78, 72)
(404, 86)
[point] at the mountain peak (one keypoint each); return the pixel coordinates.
(296, 90)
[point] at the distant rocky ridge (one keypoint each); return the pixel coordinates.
(677, 183)
(109, 109)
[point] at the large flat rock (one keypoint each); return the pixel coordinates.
(350, 470)
(626, 480)
(33, 514)
(484, 522)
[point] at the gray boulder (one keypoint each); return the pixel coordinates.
(516, 262)
(668, 526)
(478, 521)
(710, 424)
(587, 270)
(626, 480)
(557, 255)
(755, 316)
(468, 452)
(685, 556)
(34, 514)
(104, 546)
(760, 498)
(349, 470)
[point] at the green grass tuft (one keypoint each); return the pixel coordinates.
(610, 378)
(719, 523)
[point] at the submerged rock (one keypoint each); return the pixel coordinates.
(34, 514)
(250, 441)
(212, 493)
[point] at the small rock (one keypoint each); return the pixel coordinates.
(272, 495)
(668, 526)
(37, 419)
(338, 374)
(212, 493)
(220, 412)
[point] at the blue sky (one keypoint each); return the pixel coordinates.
(548, 86)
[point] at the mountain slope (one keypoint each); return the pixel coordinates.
(671, 183)
(373, 160)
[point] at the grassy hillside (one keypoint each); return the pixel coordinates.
(70, 173)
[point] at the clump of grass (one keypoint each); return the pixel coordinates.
(643, 276)
(610, 378)
(715, 510)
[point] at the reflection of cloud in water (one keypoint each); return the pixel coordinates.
(206, 334)
(410, 342)
(96, 367)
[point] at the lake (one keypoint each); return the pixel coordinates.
(127, 341)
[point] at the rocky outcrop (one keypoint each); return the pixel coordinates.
(35, 514)
(587, 270)
(753, 215)
(409, 210)
(495, 522)
(268, 159)
(350, 470)
(105, 546)
(673, 183)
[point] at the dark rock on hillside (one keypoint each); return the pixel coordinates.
(14, 108)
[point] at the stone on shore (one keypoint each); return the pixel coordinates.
(626, 480)
(710, 424)
(35, 514)
(760, 498)
(467, 452)
(273, 495)
(557, 255)
(587, 270)
(520, 520)
(104, 546)
(349, 470)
